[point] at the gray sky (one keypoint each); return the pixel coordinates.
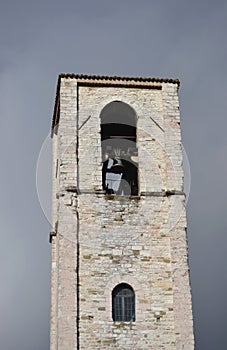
(175, 39)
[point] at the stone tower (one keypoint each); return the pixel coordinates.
(120, 276)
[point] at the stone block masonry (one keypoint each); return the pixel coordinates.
(103, 240)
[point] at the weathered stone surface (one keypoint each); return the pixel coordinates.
(103, 240)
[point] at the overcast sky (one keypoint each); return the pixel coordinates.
(173, 38)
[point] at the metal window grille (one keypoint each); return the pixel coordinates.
(123, 303)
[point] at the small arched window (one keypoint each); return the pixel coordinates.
(123, 303)
(119, 149)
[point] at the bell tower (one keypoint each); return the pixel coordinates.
(120, 276)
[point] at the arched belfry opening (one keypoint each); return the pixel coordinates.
(119, 149)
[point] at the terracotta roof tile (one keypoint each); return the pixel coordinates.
(117, 78)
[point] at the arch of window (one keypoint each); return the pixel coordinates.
(123, 303)
(119, 149)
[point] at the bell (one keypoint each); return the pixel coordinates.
(117, 163)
